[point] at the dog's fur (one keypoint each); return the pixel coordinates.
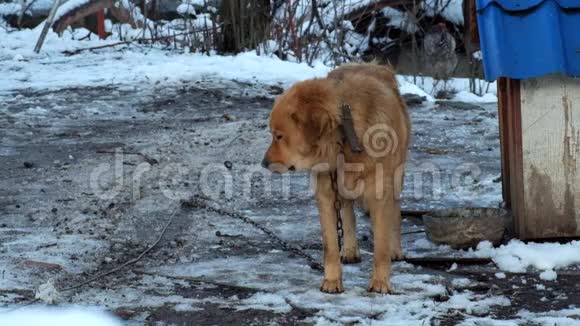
(305, 124)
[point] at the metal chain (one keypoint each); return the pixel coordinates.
(196, 202)
(337, 208)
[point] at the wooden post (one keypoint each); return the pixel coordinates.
(540, 139)
(47, 25)
(101, 24)
(503, 109)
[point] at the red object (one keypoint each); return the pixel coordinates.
(101, 24)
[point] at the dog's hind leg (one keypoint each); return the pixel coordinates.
(396, 251)
(382, 219)
(350, 253)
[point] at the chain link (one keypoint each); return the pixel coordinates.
(196, 202)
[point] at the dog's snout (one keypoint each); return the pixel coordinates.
(265, 163)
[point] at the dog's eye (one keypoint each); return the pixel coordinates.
(278, 137)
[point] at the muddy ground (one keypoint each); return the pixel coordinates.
(89, 177)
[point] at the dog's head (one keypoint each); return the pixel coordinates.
(302, 122)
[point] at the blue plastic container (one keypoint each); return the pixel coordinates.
(529, 38)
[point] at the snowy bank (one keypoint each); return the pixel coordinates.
(131, 65)
(517, 256)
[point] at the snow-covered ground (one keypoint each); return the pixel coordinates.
(57, 317)
(130, 64)
(59, 115)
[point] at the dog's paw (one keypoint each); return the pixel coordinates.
(350, 257)
(332, 286)
(379, 286)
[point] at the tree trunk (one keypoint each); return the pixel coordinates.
(245, 24)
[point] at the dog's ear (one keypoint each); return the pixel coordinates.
(313, 113)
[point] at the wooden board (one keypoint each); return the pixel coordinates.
(550, 126)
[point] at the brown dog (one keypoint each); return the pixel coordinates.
(309, 124)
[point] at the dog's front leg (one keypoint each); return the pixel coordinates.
(332, 282)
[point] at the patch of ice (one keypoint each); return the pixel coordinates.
(286, 284)
(460, 282)
(186, 307)
(500, 275)
(265, 301)
(37, 110)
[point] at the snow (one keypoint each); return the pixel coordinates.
(45, 71)
(47, 293)
(410, 88)
(36, 7)
(452, 10)
(564, 317)
(186, 9)
(69, 6)
(453, 267)
(517, 256)
(291, 284)
(57, 317)
(42, 71)
(10, 8)
(548, 275)
(479, 307)
(400, 19)
(485, 92)
(51, 69)
(464, 96)
(350, 5)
